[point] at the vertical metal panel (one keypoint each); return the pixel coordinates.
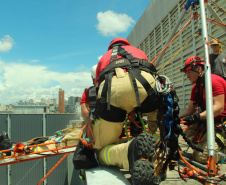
(56, 122)
(60, 174)
(25, 127)
(3, 169)
(30, 172)
(3, 122)
(193, 48)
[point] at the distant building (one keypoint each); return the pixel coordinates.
(43, 100)
(61, 101)
(71, 104)
(31, 101)
(31, 108)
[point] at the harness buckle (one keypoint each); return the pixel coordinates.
(102, 100)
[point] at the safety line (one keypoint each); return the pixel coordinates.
(53, 168)
(177, 53)
(173, 39)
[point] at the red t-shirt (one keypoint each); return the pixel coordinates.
(218, 87)
(85, 96)
(105, 60)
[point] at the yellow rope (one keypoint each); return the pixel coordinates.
(178, 52)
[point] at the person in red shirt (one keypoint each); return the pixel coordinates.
(194, 69)
(84, 102)
(125, 79)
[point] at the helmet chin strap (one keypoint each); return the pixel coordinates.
(200, 74)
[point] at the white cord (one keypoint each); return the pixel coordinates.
(162, 84)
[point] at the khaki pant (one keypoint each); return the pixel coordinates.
(199, 156)
(70, 139)
(107, 133)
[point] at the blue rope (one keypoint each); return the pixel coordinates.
(189, 2)
(168, 119)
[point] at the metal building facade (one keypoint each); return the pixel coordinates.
(23, 127)
(153, 28)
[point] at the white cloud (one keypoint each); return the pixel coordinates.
(24, 82)
(111, 23)
(6, 43)
(34, 61)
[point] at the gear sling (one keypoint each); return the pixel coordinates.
(134, 66)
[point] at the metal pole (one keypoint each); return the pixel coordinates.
(212, 11)
(44, 160)
(181, 16)
(9, 133)
(208, 89)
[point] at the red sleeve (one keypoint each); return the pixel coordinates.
(217, 85)
(85, 97)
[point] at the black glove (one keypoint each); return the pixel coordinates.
(192, 119)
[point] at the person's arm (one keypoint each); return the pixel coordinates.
(189, 110)
(218, 106)
(85, 110)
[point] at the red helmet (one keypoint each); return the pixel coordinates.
(118, 40)
(191, 62)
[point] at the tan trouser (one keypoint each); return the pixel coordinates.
(107, 133)
(70, 139)
(199, 156)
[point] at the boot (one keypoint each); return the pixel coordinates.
(5, 143)
(140, 153)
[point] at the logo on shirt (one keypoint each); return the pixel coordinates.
(119, 61)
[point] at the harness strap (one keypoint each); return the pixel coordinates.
(199, 98)
(131, 72)
(114, 53)
(109, 89)
(124, 53)
(92, 97)
(144, 82)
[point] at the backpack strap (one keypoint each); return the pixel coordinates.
(93, 97)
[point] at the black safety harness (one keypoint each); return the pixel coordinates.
(134, 66)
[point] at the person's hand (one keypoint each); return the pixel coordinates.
(192, 119)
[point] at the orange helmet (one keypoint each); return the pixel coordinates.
(121, 41)
(191, 62)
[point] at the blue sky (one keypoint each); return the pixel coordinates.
(50, 44)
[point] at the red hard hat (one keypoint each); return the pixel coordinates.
(118, 40)
(191, 62)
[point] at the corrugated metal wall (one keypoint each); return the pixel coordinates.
(3, 169)
(154, 42)
(23, 127)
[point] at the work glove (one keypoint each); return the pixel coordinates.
(196, 118)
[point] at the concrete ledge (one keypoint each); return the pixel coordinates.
(102, 175)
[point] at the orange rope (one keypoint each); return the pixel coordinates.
(189, 165)
(173, 38)
(215, 22)
(132, 119)
(89, 131)
(53, 168)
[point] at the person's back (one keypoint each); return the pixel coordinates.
(125, 83)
